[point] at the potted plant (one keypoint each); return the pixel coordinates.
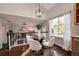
(39, 28)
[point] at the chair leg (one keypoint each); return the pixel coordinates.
(26, 52)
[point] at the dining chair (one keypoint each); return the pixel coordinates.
(48, 43)
(33, 46)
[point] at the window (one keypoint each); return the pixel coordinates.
(61, 27)
(57, 26)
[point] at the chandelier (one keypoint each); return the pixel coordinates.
(38, 12)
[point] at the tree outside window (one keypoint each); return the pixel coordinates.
(58, 26)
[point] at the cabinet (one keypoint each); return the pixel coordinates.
(76, 13)
(75, 46)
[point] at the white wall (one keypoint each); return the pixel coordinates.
(16, 28)
(4, 27)
(46, 27)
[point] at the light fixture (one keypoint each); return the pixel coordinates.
(23, 27)
(24, 23)
(38, 12)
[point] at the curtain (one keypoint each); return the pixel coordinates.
(0, 36)
(67, 32)
(50, 28)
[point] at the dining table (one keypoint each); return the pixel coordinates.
(40, 40)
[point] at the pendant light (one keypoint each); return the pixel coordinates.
(38, 12)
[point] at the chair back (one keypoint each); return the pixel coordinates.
(28, 37)
(34, 45)
(51, 41)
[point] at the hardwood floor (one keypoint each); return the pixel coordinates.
(14, 51)
(54, 51)
(57, 51)
(4, 53)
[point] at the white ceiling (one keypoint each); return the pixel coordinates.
(25, 9)
(18, 20)
(46, 6)
(17, 13)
